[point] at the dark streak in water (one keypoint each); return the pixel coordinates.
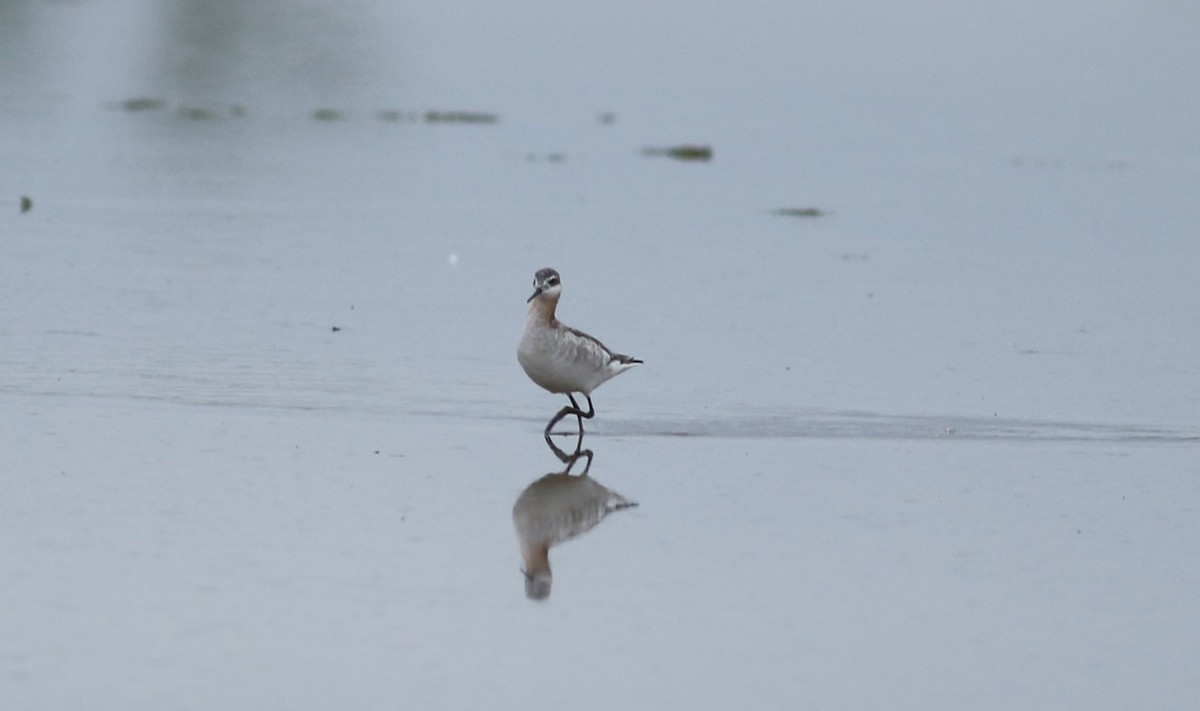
(460, 117)
(799, 212)
(874, 426)
(143, 103)
(685, 152)
(327, 115)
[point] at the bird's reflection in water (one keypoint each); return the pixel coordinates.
(556, 508)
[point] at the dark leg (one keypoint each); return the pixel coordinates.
(573, 409)
(570, 459)
(576, 457)
(562, 456)
(568, 410)
(580, 414)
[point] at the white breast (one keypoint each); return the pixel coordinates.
(562, 360)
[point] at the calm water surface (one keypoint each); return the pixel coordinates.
(917, 419)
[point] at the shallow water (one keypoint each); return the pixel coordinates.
(918, 405)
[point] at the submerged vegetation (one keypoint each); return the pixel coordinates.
(799, 212)
(190, 112)
(142, 103)
(460, 117)
(195, 113)
(327, 115)
(397, 116)
(682, 152)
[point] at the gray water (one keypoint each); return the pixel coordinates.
(916, 425)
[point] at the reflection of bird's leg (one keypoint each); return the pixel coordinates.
(576, 457)
(578, 453)
(570, 459)
(562, 456)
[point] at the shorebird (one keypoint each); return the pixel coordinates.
(560, 358)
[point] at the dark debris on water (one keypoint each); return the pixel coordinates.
(460, 117)
(196, 113)
(682, 152)
(397, 116)
(327, 115)
(799, 212)
(142, 103)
